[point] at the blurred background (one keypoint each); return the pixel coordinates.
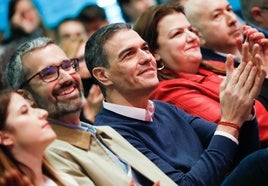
(53, 11)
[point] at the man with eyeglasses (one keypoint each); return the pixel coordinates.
(255, 13)
(190, 150)
(92, 155)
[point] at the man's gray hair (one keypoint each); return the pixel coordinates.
(16, 74)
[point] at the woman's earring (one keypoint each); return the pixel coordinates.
(160, 67)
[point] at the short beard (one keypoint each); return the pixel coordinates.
(65, 108)
(58, 109)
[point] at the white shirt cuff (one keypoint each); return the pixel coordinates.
(227, 135)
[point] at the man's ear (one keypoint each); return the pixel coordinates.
(6, 138)
(27, 96)
(102, 75)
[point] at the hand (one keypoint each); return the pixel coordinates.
(13, 177)
(94, 103)
(253, 36)
(241, 85)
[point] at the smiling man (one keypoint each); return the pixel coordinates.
(92, 155)
(188, 149)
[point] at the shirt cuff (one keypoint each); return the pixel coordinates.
(252, 115)
(227, 135)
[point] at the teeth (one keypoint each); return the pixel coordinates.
(66, 91)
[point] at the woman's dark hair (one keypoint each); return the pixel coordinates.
(146, 26)
(7, 160)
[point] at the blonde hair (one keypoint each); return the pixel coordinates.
(71, 46)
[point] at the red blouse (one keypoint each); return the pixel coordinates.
(198, 94)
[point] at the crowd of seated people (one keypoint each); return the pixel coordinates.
(92, 155)
(178, 143)
(128, 113)
(185, 79)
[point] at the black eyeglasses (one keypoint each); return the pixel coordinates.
(51, 73)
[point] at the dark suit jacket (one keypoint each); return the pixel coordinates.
(208, 54)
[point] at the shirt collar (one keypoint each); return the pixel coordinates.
(136, 113)
(236, 58)
(79, 136)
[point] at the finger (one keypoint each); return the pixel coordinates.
(10, 178)
(255, 51)
(263, 42)
(260, 68)
(92, 93)
(157, 183)
(132, 182)
(229, 79)
(246, 78)
(93, 89)
(26, 181)
(245, 52)
(250, 32)
(229, 63)
(256, 36)
(239, 42)
(235, 78)
(257, 84)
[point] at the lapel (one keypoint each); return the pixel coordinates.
(131, 155)
(117, 144)
(76, 137)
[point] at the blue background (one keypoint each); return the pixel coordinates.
(53, 11)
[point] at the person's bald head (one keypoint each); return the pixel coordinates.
(194, 11)
(216, 23)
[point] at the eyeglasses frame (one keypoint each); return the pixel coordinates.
(75, 66)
